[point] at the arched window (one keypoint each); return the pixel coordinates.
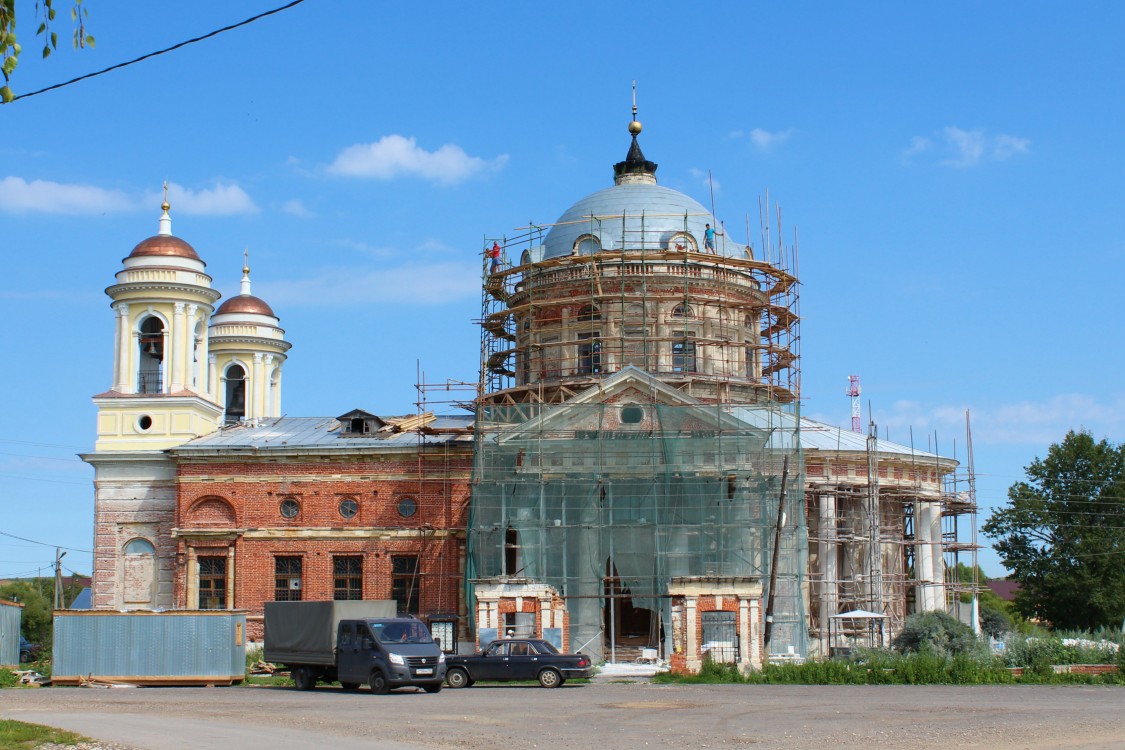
(236, 393)
(683, 311)
(140, 547)
(151, 341)
(589, 313)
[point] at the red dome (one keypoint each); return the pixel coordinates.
(166, 245)
(245, 303)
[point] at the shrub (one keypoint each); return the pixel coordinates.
(935, 632)
(8, 678)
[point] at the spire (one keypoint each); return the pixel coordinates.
(245, 287)
(165, 219)
(635, 168)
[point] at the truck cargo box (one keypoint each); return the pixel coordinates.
(305, 632)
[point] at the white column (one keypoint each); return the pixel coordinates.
(744, 631)
(268, 406)
(213, 379)
(192, 368)
(829, 593)
(692, 630)
(122, 350)
(230, 577)
(937, 573)
(923, 560)
(207, 387)
(277, 393)
(257, 406)
(174, 360)
(755, 655)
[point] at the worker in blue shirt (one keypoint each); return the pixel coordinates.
(709, 238)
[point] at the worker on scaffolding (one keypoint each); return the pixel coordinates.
(494, 254)
(709, 238)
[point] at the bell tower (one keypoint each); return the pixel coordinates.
(247, 350)
(161, 395)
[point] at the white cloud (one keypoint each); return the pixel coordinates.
(409, 285)
(764, 140)
(18, 196)
(43, 196)
(918, 144)
(396, 156)
(706, 180)
(225, 199)
(296, 208)
(968, 148)
(1007, 146)
(967, 145)
(1016, 423)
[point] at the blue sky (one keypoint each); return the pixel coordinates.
(954, 171)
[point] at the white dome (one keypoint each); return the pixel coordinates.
(632, 216)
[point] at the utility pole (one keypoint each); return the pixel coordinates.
(59, 555)
(768, 631)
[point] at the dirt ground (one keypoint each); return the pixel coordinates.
(614, 715)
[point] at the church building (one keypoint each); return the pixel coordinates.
(634, 478)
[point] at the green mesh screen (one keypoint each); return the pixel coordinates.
(572, 494)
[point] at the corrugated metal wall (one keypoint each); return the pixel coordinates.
(10, 615)
(166, 647)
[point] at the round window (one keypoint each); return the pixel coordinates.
(348, 508)
(144, 422)
(632, 414)
(290, 507)
(407, 507)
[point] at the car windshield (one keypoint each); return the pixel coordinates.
(401, 632)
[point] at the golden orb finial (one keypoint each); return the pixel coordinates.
(634, 127)
(165, 205)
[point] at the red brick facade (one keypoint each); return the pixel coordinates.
(317, 509)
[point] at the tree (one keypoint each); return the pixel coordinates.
(44, 12)
(1062, 534)
(35, 596)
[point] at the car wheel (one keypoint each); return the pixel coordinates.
(303, 678)
(432, 688)
(378, 683)
(25, 657)
(350, 685)
(550, 678)
(458, 678)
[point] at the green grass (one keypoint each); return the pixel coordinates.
(18, 735)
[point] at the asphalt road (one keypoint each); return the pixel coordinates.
(614, 715)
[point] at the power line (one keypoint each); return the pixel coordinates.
(40, 479)
(161, 52)
(44, 544)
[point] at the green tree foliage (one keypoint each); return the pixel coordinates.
(1062, 534)
(935, 632)
(44, 13)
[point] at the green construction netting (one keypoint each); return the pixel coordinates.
(576, 494)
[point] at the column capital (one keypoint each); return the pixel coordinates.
(257, 357)
(122, 309)
(179, 308)
(191, 310)
(269, 359)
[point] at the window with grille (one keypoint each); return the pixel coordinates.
(212, 583)
(347, 577)
(405, 583)
(287, 579)
(589, 354)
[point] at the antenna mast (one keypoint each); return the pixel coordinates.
(853, 391)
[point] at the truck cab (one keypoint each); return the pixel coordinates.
(386, 653)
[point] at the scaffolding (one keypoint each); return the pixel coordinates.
(638, 400)
(723, 326)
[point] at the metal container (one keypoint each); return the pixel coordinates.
(10, 614)
(178, 647)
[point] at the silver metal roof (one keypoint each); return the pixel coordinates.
(318, 433)
(819, 436)
(618, 214)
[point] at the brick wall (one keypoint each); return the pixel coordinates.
(223, 504)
